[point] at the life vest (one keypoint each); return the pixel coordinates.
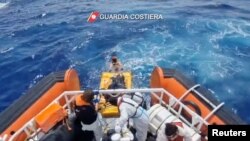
(83, 108)
(79, 101)
(178, 138)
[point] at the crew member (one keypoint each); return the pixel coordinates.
(173, 132)
(86, 118)
(129, 109)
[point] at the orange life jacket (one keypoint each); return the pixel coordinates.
(79, 101)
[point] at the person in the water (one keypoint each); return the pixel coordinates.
(115, 65)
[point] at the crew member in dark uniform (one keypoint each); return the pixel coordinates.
(86, 124)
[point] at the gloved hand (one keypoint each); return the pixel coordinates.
(118, 129)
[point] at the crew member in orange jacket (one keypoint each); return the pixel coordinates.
(86, 118)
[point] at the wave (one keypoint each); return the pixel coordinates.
(219, 6)
(224, 7)
(6, 50)
(3, 5)
(207, 40)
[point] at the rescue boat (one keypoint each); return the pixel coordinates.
(44, 112)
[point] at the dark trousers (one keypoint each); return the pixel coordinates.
(80, 135)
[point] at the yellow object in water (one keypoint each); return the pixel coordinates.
(107, 110)
(106, 79)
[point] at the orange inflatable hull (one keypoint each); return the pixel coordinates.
(177, 84)
(36, 99)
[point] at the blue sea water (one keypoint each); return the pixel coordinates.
(207, 40)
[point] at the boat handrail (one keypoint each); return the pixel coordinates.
(197, 120)
(189, 90)
(196, 123)
(193, 89)
(30, 127)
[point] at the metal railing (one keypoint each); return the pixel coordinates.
(196, 123)
(30, 127)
